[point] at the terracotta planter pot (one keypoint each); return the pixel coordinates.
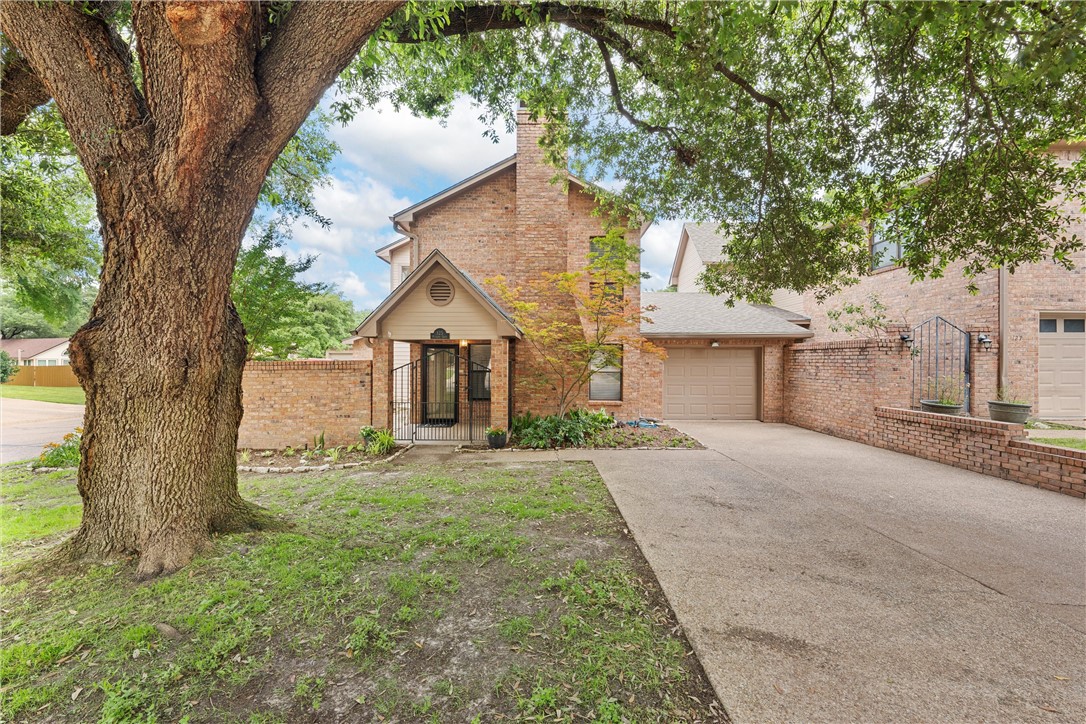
(1009, 411)
(939, 407)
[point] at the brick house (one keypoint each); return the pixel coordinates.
(448, 360)
(1034, 318)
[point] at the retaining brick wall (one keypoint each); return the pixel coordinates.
(984, 446)
(288, 403)
(834, 387)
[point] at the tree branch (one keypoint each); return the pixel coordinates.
(75, 57)
(616, 95)
(477, 19)
(289, 77)
(21, 91)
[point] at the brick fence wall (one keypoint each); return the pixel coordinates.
(984, 446)
(288, 403)
(834, 387)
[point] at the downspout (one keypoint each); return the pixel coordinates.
(414, 242)
(1001, 360)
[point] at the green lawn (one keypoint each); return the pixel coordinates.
(1071, 442)
(471, 592)
(65, 395)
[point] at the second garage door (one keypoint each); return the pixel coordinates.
(703, 383)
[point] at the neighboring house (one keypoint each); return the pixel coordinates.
(37, 352)
(1034, 317)
(446, 355)
(701, 245)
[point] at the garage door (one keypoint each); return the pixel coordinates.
(1061, 369)
(702, 383)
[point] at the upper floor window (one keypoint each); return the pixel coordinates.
(405, 269)
(885, 247)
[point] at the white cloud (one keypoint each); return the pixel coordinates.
(398, 146)
(659, 245)
(359, 207)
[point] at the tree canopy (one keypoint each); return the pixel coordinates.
(796, 125)
(49, 250)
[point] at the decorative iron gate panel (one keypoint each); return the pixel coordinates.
(442, 396)
(941, 366)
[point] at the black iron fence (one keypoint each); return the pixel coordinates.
(443, 396)
(940, 352)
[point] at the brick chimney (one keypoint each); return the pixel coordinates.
(542, 207)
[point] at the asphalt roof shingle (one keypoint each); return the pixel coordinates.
(686, 314)
(706, 240)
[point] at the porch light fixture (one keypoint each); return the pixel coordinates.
(907, 339)
(714, 343)
(463, 343)
(985, 340)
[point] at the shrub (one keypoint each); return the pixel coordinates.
(574, 429)
(61, 455)
(8, 368)
(381, 442)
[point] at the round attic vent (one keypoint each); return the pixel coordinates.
(440, 292)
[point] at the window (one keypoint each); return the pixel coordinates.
(1048, 325)
(1074, 325)
(405, 269)
(885, 248)
(479, 372)
(606, 380)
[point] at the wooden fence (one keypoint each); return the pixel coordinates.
(34, 376)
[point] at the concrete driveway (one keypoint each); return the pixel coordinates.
(27, 425)
(824, 580)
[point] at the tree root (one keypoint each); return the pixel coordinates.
(167, 552)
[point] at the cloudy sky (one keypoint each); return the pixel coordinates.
(389, 161)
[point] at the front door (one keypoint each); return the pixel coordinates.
(440, 377)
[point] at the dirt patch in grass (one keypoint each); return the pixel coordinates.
(412, 593)
(650, 437)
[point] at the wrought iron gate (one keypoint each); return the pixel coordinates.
(941, 366)
(442, 396)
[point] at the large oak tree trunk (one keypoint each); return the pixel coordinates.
(176, 161)
(161, 362)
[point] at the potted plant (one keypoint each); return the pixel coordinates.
(496, 437)
(943, 395)
(1009, 407)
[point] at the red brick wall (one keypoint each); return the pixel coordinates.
(1031, 289)
(520, 225)
(833, 387)
(288, 403)
(984, 446)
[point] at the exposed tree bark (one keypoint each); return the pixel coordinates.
(177, 170)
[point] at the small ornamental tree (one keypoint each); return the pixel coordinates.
(575, 323)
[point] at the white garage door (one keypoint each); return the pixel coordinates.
(1061, 369)
(703, 383)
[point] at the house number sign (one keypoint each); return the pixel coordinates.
(439, 333)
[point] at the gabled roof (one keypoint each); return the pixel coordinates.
(30, 346)
(690, 314)
(708, 244)
(794, 317)
(385, 252)
(406, 216)
(368, 328)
